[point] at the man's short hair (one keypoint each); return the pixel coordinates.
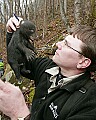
(87, 35)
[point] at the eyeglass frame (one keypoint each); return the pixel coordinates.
(66, 43)
(76, 50)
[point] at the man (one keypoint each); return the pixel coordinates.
(64, 88)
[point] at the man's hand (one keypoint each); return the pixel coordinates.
(13, 23)
(12, 101)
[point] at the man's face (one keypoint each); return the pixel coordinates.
(68, 53)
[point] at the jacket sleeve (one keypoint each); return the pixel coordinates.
(37, 68)
(8, 38)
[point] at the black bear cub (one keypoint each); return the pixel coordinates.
(21, 48)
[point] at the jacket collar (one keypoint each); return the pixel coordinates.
(75, 84)
(53, 71)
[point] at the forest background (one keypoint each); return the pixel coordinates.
(53, 20)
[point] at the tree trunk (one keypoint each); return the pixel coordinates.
(78, 11)
(64, 15)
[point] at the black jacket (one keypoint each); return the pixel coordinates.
(73, 101)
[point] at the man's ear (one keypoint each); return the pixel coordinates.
(83, 63)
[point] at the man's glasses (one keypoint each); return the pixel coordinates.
(66, 43)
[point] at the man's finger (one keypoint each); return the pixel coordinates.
(2, 84)
(16, 22)
(2, 95)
